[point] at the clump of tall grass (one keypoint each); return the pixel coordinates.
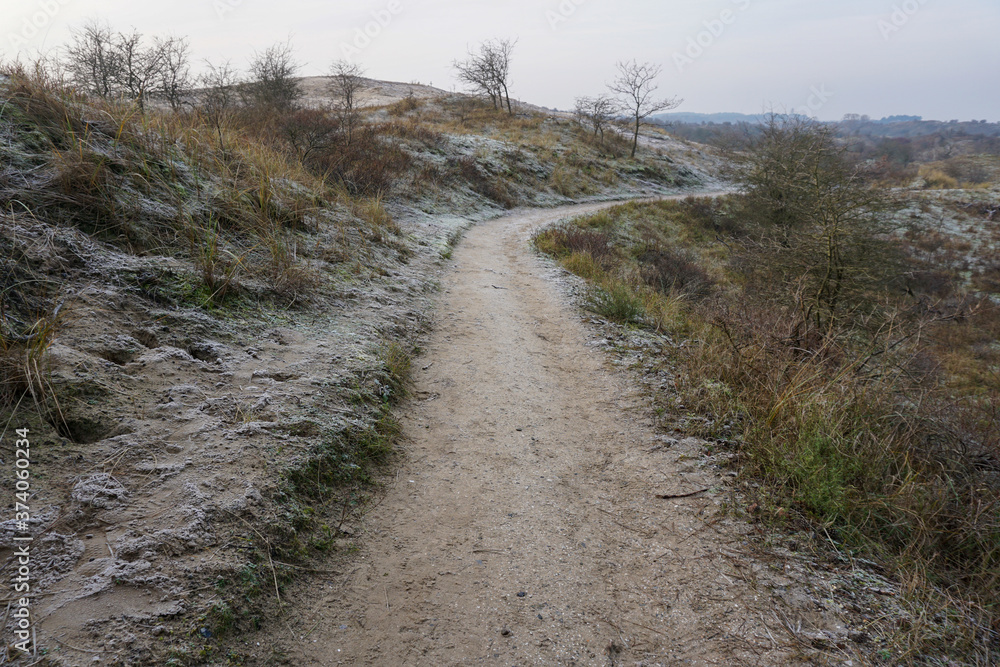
(856, 432)
(617, 301)
(163, 182)
(23, 363)
(935, 179)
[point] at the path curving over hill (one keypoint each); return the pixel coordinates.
(528, 524)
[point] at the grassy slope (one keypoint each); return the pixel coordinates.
(125, 232)
(885, 441)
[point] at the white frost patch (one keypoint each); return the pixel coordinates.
(99, 490)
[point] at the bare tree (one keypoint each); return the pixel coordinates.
(817, 221)
(597, 113)
(92, 61)
(472, 73)
(498, 53)
(140, 66)
(272, 81)
(175, 71)
(488, 71)
(113, 64)
(346, 84)
(220, 94)
(635, 84)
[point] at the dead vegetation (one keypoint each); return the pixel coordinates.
(150, 254)
(863, 411)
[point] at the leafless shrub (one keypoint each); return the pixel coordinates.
(271, 82)
(219, 95)
(635, 84)
(368, 165)
(597, 113)
(670, 270)
(118, 65)
(816, 223)
(346, 84)
(174, 75)
(310, 132)
(568, 240)
(487, 72)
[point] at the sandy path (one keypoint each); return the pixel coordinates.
(524, 528)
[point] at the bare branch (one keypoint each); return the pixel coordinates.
(272, 81)
(347, 82)
(118, 65)
(635, 85)
(488, 71)
(174, 71)
(597, 113)
(220, 94)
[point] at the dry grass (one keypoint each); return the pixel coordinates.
(935, 179)
(882, 434)
(232, 197)
(23, 366)
(404, 106)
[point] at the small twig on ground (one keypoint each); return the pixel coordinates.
(195, 590)
(707, 524)
(670, 496)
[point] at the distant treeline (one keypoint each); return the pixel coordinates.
(900, 139)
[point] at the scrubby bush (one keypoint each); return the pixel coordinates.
(816, 225)
(368, 165)
(564, 241)
(271, 83)
(880, 429)
(404, 106)
(670, 270)
(935, 179)
(492, 186)
(617, 302)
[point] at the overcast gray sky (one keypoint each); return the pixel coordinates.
(934, 58)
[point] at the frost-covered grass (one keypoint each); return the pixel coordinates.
(466, 155)
(882, 436)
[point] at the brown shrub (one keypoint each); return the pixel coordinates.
(670, 270)
(404, 106)
(572, 240)
(491, 186)
(309, 131)
(367, 165)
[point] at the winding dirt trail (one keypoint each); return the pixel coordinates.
(525, 527)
